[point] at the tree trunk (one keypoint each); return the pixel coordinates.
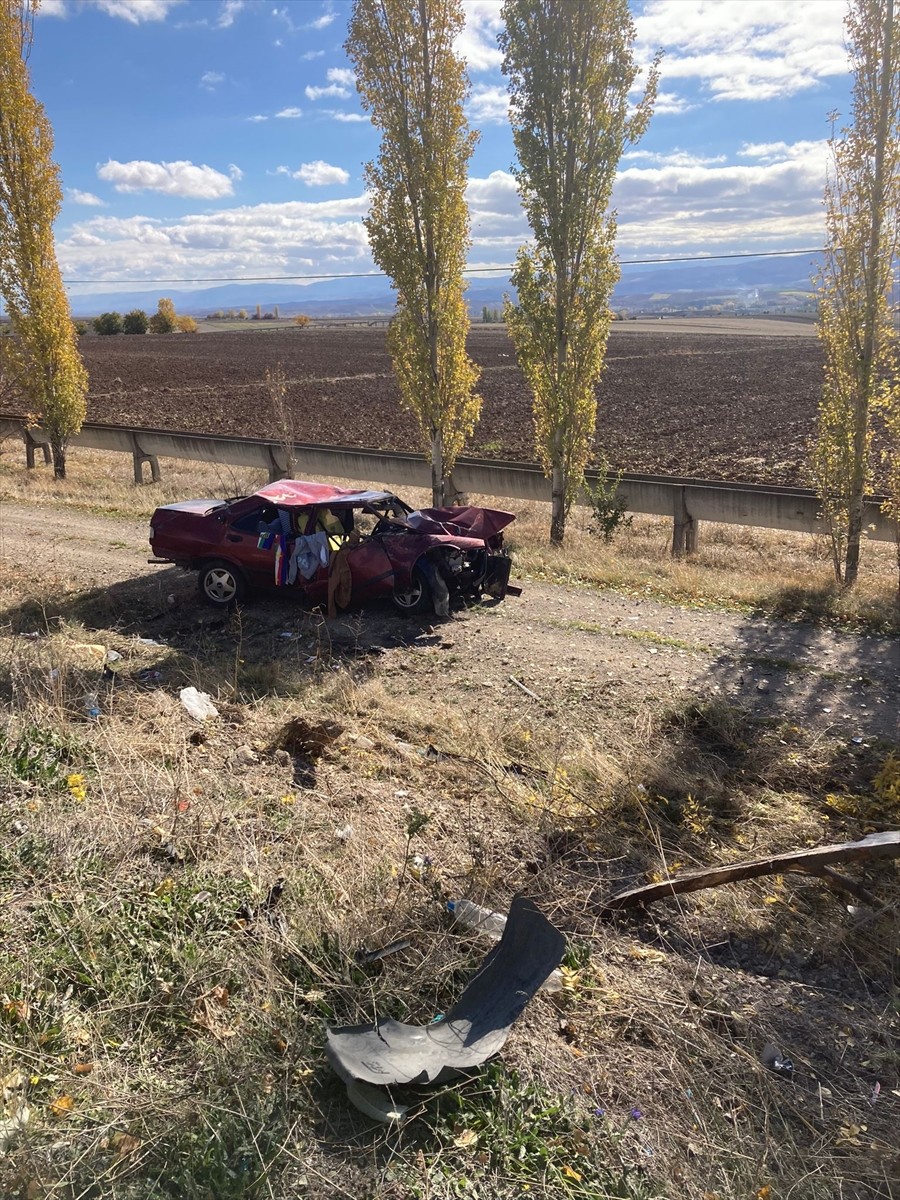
(870, 341)
(855, 522)
(59, 460)
(558, 505)
(437, 468)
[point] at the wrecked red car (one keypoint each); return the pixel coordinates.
(335, 545)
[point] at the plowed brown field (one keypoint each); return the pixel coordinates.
(705, 404)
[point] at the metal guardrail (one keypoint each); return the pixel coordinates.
(686, 501)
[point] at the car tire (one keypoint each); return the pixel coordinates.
(416, 599)
(221, 584)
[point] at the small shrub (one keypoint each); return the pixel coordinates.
(301, 320)
(608, 509)
(187, 324)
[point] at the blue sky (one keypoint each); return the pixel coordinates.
(224, 138)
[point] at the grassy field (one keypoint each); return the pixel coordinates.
(162, 1000)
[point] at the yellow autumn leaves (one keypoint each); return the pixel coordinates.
(42, 357)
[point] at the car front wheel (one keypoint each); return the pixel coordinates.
(415, 598)
(222, 585)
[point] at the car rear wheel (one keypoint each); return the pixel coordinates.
(416, 597)
(222, 585)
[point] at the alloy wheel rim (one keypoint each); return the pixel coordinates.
(410, 597)
(220, 585)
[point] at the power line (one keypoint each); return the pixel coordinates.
(625, 262)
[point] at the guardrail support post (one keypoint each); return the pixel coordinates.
(30, 447)
(685, 530)
(138, 458)
(276, 471)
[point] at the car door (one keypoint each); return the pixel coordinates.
(241, 544)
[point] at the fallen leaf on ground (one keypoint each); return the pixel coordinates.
(467, 1138)
(124, 1144)
(61, 1107)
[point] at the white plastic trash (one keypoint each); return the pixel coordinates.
(492, 924)
(197, 704)
(473, 916)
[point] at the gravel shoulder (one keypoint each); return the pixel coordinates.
(572, 651)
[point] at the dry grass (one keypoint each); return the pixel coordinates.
(169, 1046)
(764, 571)
(166, 1036)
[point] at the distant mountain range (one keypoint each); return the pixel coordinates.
(751, 283)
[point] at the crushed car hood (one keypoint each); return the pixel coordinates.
(467, 522)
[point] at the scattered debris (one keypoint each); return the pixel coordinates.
(113, 656)
(528, 692)
(492, 924)
(772, 1058)
(763, 686)
(374, 1102)
(370, 956)
(197, 704)
(344, 834)
(360, 741)
(811, 862)
(91, 705)
(391, 1052)
(247, 914)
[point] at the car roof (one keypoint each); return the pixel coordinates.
(291, 492)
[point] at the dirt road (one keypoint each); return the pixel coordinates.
(572, 651)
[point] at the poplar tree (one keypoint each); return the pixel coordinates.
(862, 205)
(570, 68)
(413, 84)
(43, 355)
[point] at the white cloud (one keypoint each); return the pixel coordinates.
(321, 174)
(257, 117)
(338, 114)
(137, 11)
(290, 114)
(679, 203)
(133, 11)
(671, 104)
(769, 152)
(673, 158)
(323, 21)
(228, 12)
(211, 79)
(294, 237)
(235, 172)
(86, 198)
(740, 51)
(769, 197)
(333, 89)
(489, 104)
(477, 43)
(774, 203)
(311, 54)
(172, 178)
(342, 75)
